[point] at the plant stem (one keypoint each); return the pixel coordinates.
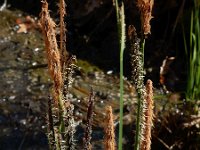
(121, 35)
(121, 100)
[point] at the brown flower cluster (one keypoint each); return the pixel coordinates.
(145, 8)
(53, 55)
(148, 117)
(109, 139)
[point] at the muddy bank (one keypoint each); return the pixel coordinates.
(24, 87)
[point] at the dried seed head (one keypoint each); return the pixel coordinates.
(109, 138)
(145, 8)
(53, 55)
(148, 117)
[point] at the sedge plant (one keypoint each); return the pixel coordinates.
(63, 134)
(122, 38)
(60, 114)
(145, 94)
(145, 8)
(193, 54)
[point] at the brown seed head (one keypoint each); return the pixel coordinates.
(109, 138)
(148, 117)
(145, 8)
(53, 55)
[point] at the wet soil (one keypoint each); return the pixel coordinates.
(24, 87)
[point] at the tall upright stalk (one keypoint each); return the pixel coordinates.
(121, 35)
(137, 74)
(145, 8)
(140, 106)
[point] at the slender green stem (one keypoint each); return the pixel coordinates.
(121, 35)
(121, 93)
(57, 140)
